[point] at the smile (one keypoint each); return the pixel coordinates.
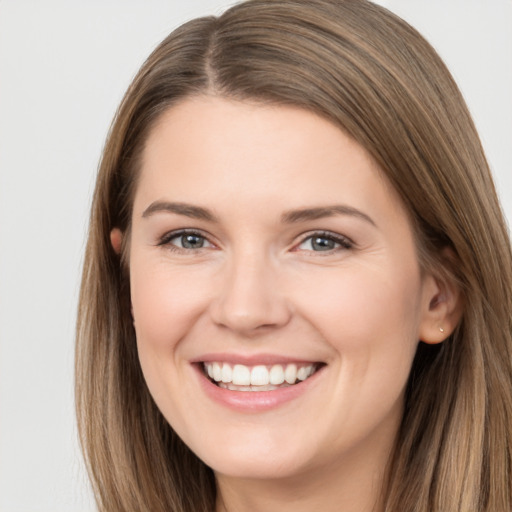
(239, 377)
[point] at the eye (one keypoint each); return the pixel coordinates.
(324, 242)
(185, 240)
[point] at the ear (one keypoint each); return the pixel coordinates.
(441, 308)
(116, 239)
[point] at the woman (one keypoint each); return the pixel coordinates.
(297, 289)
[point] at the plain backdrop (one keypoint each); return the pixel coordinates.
(64, 66)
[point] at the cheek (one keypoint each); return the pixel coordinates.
(365, 310)
(166, 303)
(371, 322)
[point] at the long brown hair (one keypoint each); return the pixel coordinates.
(373, 75)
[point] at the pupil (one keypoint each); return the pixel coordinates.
(322, 244)
(192, 241)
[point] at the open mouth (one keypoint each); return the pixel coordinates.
(239, 377)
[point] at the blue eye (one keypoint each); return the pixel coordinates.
(324, 242)
(185, 240)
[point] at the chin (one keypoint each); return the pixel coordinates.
(256, 456)
(257, 467)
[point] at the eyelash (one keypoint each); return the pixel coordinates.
(343, 242)
(168, 237)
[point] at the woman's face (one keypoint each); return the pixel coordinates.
(268, 251)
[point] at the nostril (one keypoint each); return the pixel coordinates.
(250, 321)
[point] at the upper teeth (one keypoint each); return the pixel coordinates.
(259, 375)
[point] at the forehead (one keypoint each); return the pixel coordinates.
(224, 152)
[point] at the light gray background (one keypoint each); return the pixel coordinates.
(64, 66)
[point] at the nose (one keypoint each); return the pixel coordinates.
(250, 299)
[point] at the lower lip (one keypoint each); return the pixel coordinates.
(255, 401)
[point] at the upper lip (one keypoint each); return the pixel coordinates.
(251, 359)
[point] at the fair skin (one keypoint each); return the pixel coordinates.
(297, 254)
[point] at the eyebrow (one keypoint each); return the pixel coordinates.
(188, 210)
(289, 217)
(306, 214)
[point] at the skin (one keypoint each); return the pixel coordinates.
(259, 286)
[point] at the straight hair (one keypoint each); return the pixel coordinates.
(366, 70)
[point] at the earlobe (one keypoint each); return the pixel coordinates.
(116, 240)
(442, 309)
